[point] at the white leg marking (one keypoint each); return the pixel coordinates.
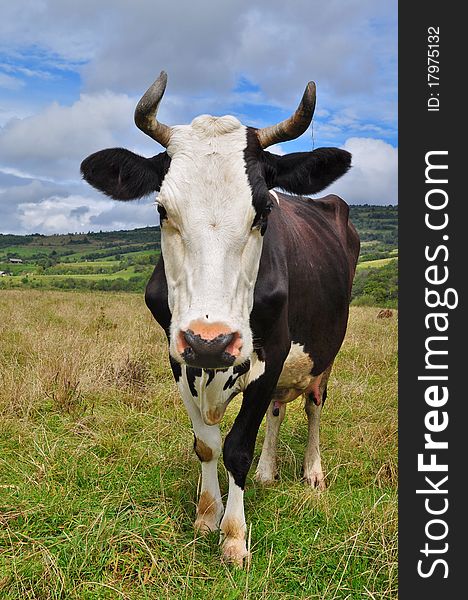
(210, 505)
(233, 527)
(267, 470)
(313, 474)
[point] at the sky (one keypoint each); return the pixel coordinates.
(72, 72)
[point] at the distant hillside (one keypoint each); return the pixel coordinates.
(101, 239)
(123, 260)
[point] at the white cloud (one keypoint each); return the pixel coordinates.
(10, 83)
(206, 46)
(373, 178)
(52, 143)
(48, 207)
(75, 213)
(57, 215)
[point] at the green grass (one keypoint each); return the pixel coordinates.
(98, 478)
(26, 251)
(379, 262)
(51, 279)
(123, 273)
(107, 262)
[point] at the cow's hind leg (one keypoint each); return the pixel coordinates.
(313, 474)
(267, 470)
(207, 446)
(314, 401)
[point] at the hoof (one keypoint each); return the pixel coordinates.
(266, 481)
(209, 513)
(235, 551)
(266, 476)
(204, 526)
(316, 480)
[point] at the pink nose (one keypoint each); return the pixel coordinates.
(209, 345)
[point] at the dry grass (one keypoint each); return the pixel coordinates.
(98, 479)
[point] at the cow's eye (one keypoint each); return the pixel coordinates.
(162, 212)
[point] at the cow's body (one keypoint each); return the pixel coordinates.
(300, 311)
(245, 307)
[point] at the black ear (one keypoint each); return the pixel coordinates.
(124, 175)
(306, 172)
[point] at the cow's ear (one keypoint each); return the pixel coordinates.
(306, 172)
(124, 175)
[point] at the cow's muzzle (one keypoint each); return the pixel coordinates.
(209, 351)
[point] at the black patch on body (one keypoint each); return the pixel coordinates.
(260, 352)
(211, 374)
(324, 397)
(230, 382)
(176, 368)
(242, 368)
(193, 372)
(261, 199)
(237, 372)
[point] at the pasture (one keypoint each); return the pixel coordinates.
(98, 479)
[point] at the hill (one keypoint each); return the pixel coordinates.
(115, 260)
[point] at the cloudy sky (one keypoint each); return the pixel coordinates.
(72, 72)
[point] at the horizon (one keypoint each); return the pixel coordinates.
(156, 226)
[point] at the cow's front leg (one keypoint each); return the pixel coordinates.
(238, 452)
(207, 446)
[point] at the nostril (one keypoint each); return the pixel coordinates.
(190, 337)
(235, 345)
(182, 343)
(200, 345)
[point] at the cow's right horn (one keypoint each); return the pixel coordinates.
(294, 126)
(145, 112)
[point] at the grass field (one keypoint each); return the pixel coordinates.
(379, 262)
(98, 478)
(124, 274)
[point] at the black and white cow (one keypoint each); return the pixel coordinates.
(252, 288)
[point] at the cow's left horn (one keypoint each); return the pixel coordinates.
(293, 127)
(145, 112)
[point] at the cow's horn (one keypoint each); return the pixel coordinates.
(293, 127)
(145, 112)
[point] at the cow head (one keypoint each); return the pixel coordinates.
(213, 181)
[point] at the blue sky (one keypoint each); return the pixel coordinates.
(71, 74)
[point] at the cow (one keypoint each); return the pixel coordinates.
(252, 288)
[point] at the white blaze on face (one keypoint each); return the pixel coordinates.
(211, 253)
